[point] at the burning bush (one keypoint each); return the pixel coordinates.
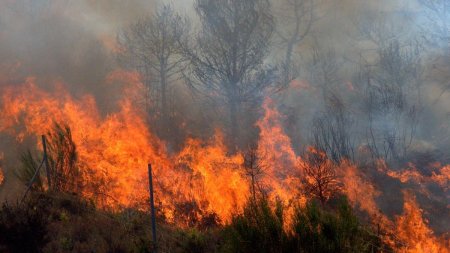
(321, 180)
(258, 229)
(60, 162)
(314, 229)
(62, 159)
(319, 230)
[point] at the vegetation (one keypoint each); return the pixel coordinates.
(60, 163)
(60, 222)
(314, 229)
(367, 93)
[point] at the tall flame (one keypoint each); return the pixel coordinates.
(413, 231)
(115, 149)
(282, 171)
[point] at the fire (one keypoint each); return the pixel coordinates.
(413, 231)
(208, 173)
(440, 176)
(111, 150)
(359, 190)
(203, 180)
(114, 151)
(281, 164)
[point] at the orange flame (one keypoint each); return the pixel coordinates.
(114, 151)
(359, 191)
(413, 231)
(281, 164)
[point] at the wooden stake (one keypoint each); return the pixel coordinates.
(152, 207)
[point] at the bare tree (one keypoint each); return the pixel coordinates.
(297, 17)
(332, 131)
(392, 99)
(151, 46)
(331, 128)
(320, 181)
(380, 28)
(253, 169)
(227, 60)
(323, 70)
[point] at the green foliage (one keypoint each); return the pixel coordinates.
(22, 227)
(315, 229)
(61, 222)
(258, 229)
(62, 158)
(191, 241)
(319, 230)
(28, 168)
(65, 223)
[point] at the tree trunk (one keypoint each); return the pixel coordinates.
(234, 124)
(164, 110)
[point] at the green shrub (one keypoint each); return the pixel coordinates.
(318, 230)
(315, 229)
(28, 168)
(23, 227)
(259, 229)
(191, 241)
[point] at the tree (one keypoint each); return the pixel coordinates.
(332, 131)
(331, 128)
(390, 80)
(320, 181)
(392, 99)
(295, 24)
(227, 60)
(253, 168)
(151, 46)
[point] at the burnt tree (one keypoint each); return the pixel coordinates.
(332, 126)
(295, 23)
(253, 169)
(151, 46)
(228, 54)
(320, 175)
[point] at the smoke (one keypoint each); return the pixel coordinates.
(74, 43)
